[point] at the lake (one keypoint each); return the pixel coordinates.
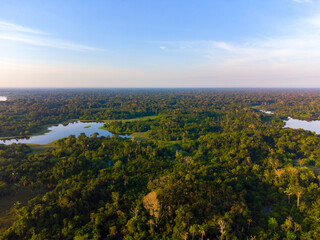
(3, 98)
(313, 126)
(62, 131)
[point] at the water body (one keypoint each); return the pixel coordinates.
(62, 131)
(313, 126)
(3, 98)
(267, 112)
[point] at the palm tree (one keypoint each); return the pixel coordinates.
(185, 235)
(298, 190)
(201, 231)
(289, 191)
(193, 229)
(279, 172)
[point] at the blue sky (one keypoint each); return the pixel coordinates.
(144, 43)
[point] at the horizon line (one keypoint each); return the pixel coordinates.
(97, 88)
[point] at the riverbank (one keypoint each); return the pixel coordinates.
(44, 129)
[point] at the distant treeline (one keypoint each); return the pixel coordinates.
(214, 168)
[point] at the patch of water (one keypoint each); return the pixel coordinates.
(62, 131)
(313, 126)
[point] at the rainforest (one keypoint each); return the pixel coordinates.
(199, 164)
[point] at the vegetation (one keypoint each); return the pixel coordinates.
(209, 166)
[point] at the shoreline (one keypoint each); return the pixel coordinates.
(45, 128)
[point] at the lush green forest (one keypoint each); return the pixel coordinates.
(210, 166)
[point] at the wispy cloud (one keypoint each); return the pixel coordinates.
(303, 1)
(46, 42)
(10, 27)
(16, 33)
(301, 46)
(289, 59)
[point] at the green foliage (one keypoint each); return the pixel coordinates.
(213, 168)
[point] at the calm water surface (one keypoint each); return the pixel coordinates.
(61, 131)
(313, 126)
(76, 128)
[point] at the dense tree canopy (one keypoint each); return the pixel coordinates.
(213, 167)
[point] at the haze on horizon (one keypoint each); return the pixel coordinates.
(142, 43)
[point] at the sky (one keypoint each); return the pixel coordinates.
(160, 44)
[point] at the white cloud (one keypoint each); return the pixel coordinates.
(303, 1)
(10, 27)
(301, 46)
(16, 33)
(289, 60)
(46, 42)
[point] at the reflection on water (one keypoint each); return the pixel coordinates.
(313, 126)
(64, 130)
